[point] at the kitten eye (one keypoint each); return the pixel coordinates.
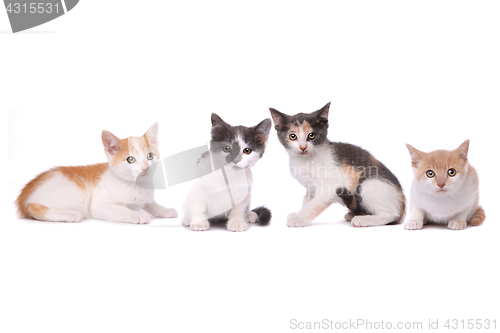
(452, 172)
(131, 159)
(312, 135)
(226, 149)
(430, 174)
(150, 156)
(247, 151)
(293, 137)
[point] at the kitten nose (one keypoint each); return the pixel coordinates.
(440, 184)
(145, 169)
(303, 148)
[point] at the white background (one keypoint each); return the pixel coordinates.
(425, 73)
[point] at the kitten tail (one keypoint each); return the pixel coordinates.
(478, 217)
(264, 215)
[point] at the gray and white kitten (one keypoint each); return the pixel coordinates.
(223, 188)
(336, 172)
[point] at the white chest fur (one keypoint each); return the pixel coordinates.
(317, 169)
(118, 191)
(444, 207)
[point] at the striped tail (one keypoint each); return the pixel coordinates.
(478, 217)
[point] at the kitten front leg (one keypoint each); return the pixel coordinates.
(310, 210)
(194, 215)
(310, 193)
(159, 211)
(119, 213)
(415, 219)
(458, 222)
(236, 219)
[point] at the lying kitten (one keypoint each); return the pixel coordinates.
(336, 172)
(106, 191)
(223, 187)
(445, 189)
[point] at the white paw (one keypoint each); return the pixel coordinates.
(167, 213)
(70, 216)
(237, 225)
(140, 218)
(359, 221)
(457, 225)
(295, 220)
(413, 225)
(252, 217)
(200, 226)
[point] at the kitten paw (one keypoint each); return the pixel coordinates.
(237, 225)
(167, 213)
(252, 217)
(413, 225)
(457, 225)
(200, 226)
(295, 220)
(140, 218)
(359, 221)
(70, 216)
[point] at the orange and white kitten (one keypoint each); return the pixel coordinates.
(445, 189)
(106, 191)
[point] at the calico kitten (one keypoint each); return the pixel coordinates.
(336, 172)
(223, 187)
(445, 189)
(106, 191)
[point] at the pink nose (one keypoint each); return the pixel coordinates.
(303, 148)
(145, 169)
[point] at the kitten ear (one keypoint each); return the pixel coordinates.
(280, 119)
(152, 134)
(416, 155)
(216, 120)
(262, 130)
(463, 150)
(323, 112)
(111, 143)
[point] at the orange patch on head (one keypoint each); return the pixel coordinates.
(306, 127)
(294, 129)
(440, 161)
(122, 154)
(84, 176)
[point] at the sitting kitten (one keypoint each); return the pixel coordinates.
(336, 172)
(223, 187)
(106, 191)
(445, 189)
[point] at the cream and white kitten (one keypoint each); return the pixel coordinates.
(106, 191)
(445, 189)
